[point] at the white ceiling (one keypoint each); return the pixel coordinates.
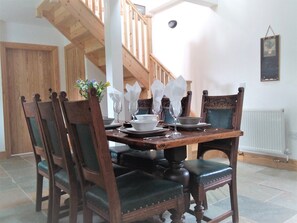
(24, 11)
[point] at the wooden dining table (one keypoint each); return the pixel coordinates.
(175, 149)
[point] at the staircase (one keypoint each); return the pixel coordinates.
(82, 22)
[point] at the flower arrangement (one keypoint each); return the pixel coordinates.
(85, 85)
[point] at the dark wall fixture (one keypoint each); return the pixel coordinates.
(172, 24)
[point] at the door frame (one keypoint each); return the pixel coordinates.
(53, 50)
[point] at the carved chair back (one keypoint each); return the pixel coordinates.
(223, 111)
(31, 117)
(55, 134)
(145, 107)
(90, 146)
(114, 199)
(57, 146)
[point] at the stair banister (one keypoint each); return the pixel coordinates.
(136, 37)
(81, 22)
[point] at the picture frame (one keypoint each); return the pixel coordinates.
(270, 58)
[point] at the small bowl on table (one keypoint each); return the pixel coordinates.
(147, 117)
(107, 121)
(189, 120)
(144, 125)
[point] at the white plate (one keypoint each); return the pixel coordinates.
(190, 126)
(135, 133)
(156, 129)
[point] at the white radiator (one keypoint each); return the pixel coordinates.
(264, 132)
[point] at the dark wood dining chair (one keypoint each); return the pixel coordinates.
(185, 104)
(59, 156)
(127, 198)
(221, 112)
(154, 161)
(38, 146)
(145, 106)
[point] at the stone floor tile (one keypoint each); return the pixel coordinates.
(2, 172)
(257, 191)
(286, 199)
(292, 220)
(7, 183)
(284, 184)
(265, 195)
(14, 163)
(29, 158)
(13, 197)
(22, 214)
(260, 212)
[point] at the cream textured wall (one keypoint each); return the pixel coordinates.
(94, 73)
(219, 50)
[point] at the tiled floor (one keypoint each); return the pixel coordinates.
(266, 195)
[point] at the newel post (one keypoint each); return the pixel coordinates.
(150, 48)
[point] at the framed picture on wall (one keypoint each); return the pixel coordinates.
(270, 58)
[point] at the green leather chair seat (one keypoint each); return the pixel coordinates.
(62, 177)
(205, 171)
(136, 190)
(42, 165)
(119, 170)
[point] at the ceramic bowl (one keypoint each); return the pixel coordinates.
(147, 117)
(107, 121)
(189, 120)
(144, 125)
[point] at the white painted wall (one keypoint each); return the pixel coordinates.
(22, 33)
(94, 73)
(219, 50)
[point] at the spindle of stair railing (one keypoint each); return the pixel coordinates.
(136, 37)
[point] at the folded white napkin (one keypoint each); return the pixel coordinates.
(157, 89)
(175, 91)
(133, 92)
(115, 95)
(132, 96)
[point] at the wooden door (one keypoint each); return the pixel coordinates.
(75, 69)
(26, 69)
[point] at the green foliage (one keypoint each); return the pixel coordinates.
(85, 85)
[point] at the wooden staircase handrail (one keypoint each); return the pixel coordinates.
(159, 71)
(97, 7)
(136, 37)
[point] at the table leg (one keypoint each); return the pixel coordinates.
(176, 171)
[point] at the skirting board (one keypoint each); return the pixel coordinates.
(258, 159)
(270, 161)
